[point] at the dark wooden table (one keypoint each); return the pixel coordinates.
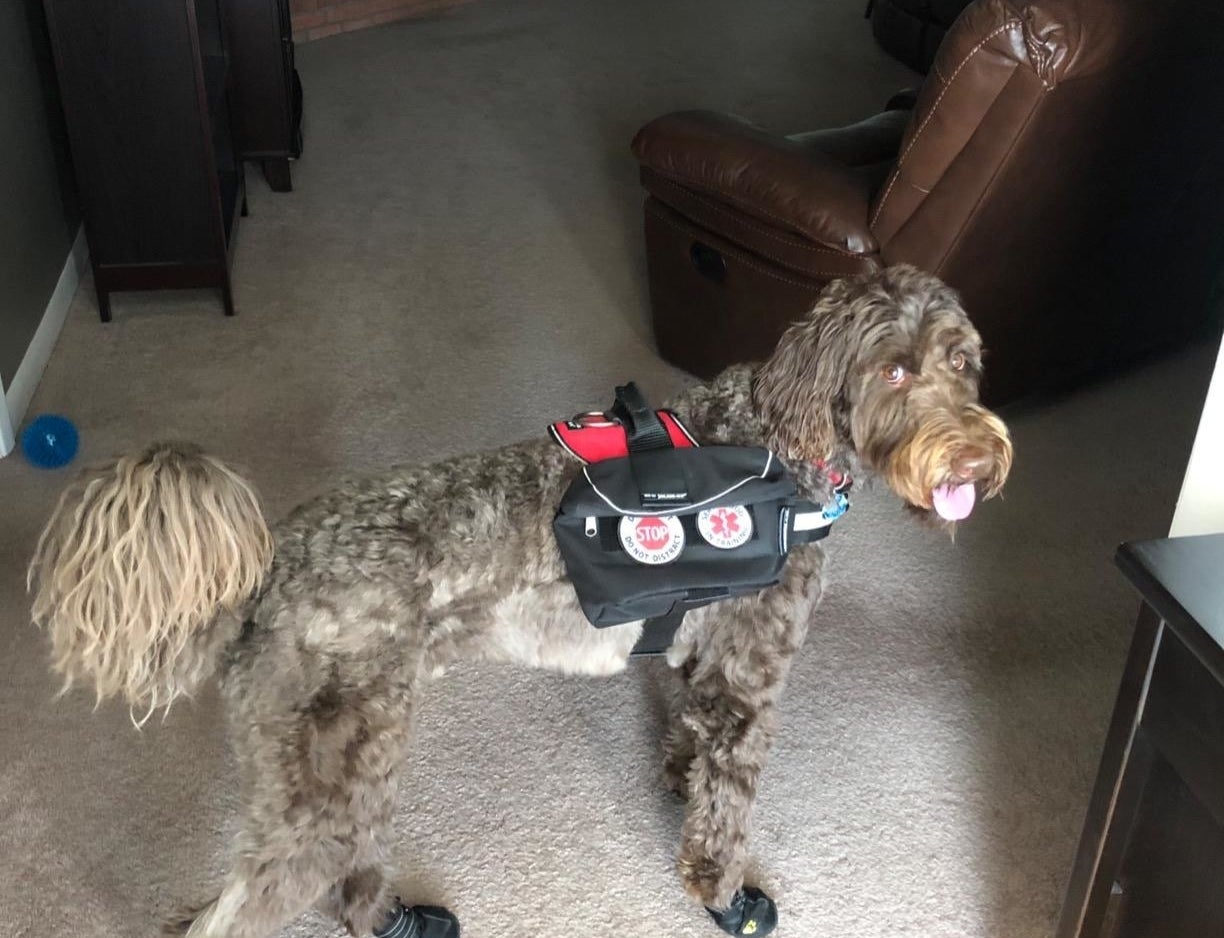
(1151, 857)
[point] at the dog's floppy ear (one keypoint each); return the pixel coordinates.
(800, 391)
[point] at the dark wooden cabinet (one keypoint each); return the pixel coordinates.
(1152, 848)
(145, 86)
(267, 93)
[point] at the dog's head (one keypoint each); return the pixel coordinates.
(884, 373)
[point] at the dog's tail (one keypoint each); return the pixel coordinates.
(139, 560)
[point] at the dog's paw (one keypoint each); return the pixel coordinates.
(750, 914)
(420, 921)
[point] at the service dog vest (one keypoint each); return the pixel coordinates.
(655, 525)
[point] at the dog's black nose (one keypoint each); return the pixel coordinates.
(972, 463)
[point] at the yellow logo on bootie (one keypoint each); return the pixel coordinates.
(750, 927)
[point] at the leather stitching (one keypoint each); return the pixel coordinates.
(896, 173)
(757, 267)
(969, 219)
(791, 242)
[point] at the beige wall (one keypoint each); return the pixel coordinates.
(1200, 508)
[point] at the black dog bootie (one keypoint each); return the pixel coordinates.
(750, 914)
(419, 921)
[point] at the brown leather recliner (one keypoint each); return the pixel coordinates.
(1017, 177)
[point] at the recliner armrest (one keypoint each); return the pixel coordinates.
(761, 174)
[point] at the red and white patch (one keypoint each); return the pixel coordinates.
(726, 527)
(651, 539)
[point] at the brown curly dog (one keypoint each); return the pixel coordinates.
(158, 569)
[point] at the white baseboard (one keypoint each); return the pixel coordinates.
(15, 401)
(6, 425)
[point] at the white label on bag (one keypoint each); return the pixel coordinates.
(727, 527)
(651, 539)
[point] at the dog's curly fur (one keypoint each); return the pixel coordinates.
(375, 587)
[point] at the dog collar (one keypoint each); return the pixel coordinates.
(840, 481)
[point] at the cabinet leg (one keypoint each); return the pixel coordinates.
(227, 297)
(1114, 910)
(278, 176)
(1125, 765)
(244, 211)
(104, 310)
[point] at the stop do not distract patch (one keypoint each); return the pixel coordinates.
(652, 539)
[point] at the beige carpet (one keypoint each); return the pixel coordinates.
(461, 262)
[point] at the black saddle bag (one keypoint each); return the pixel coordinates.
(667, 529)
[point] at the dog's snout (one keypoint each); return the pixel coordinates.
(972, 463)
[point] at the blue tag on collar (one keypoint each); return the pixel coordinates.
(837, 507)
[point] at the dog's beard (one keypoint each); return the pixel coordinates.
(920, 469)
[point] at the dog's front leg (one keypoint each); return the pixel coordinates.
(678, 748)
(731, 733)
(737, 660)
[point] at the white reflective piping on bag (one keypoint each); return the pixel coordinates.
(684, 509)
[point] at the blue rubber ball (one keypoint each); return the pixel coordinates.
(50, 441)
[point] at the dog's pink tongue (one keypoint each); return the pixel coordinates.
(954, 502)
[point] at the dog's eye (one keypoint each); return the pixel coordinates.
(958, 361)
(893, 374)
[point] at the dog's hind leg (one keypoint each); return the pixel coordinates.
(335, 860)
(360, 897)
(367, 728)
(290, 852)
(320, 769)
(362, 900)
(264, 891)
(279, 875)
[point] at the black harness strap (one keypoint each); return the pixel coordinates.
(644, 431)
(660, 480)
(658, 634)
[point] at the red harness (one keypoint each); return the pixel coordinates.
(592, 437)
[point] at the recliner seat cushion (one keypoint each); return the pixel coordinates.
(791, 251)
(775, 180)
